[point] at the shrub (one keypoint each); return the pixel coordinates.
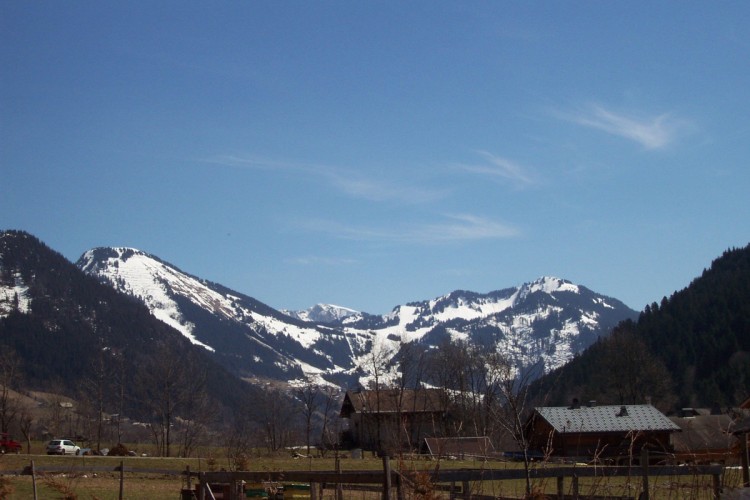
(119, 450)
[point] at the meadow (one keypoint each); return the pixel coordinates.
(98, 477)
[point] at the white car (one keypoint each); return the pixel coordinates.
(62, 447)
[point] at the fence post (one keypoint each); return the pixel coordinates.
(467, 490)
(314, 491)
(644, 472)
(574, 485)
(717, 486)
(386, 477)
(399, 486)
(122, 477)
(33, 480)
(744, 461)
(339, 487)
(202, 486)
(560, 487)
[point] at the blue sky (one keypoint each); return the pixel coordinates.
(368, 154)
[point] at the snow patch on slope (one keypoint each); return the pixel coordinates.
(149, 280)
(470, 310)
(322, 313)
(155, 283)
(15, 297)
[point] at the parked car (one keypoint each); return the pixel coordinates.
(62, 447)
(8, 444)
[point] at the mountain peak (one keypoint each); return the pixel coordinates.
(101, 256)
(146, 277)
(322, 313)
(550, 285)
(252, 338)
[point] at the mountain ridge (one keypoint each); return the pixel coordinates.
(321, 313)
(691, 349)
(547, 320)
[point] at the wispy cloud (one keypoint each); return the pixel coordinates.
(316, 260)
(500, 168)
(358, 186)
(347, 181)
(460, 227)
(651, 132)
(452, 228)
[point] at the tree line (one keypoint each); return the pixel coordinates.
(178, 414)
(689, 350)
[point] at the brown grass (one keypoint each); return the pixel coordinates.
(65, 483)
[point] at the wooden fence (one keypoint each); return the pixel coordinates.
(388, 480)
(394, 485)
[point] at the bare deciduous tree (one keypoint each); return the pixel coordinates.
(466, 375)
(241, 439)
(309, 394)
(96, 389)
(329, 433)
(276, 412)
(10, 371)
(120, 380)
(411, 366)
(512, 385)
(377, 362)
(196, 414)
(25, 423)
(168, 386)
(55, 414)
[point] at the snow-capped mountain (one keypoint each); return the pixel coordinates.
(58, 323)
(250, 338)
(545, 322)
(322, 313)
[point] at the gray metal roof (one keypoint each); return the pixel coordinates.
(606, 418)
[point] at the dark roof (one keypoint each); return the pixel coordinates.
(393, 401)
(703, 432)
(740, 427)
(460, 446)
(605, 418)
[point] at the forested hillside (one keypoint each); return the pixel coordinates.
(692, 349)
(71, 333)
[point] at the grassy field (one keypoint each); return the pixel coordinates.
(93, 477)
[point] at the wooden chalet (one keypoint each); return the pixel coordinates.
(607, 432)
(706, 436)
(741, 429)
(391, 419)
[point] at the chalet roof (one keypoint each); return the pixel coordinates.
(392, 401)
(605, 418)
(740, 427)
(703, 432)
